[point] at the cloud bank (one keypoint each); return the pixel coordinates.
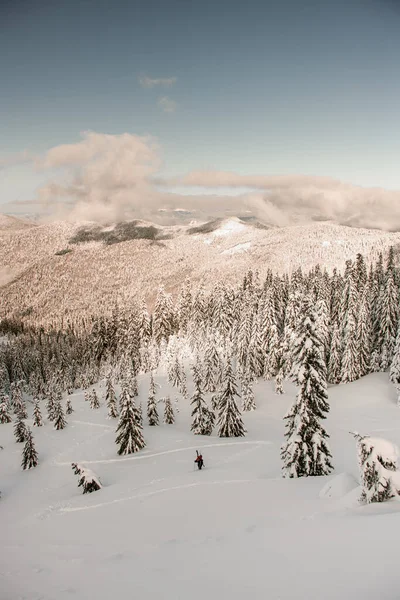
(107, 178)
(149, 82)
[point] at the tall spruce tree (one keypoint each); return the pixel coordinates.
(20, 429)
(29, 454)
(37, 415)
(152, 412)
(94, 400)
(5, 416)
(169, 417)
(306, 452)
(200, 412)
(129, 431)
(59, 420)
(111, 399)
(230, 422)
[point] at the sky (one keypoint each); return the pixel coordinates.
(262, 87)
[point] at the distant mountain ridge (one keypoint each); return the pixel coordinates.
(62, 270)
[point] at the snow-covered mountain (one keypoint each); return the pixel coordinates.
(61, 269)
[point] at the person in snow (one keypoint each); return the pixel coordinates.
(199, 461)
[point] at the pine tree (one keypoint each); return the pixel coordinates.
(111, 399)
(50, 405)
(20, 429)
(306, 451)
(248, 399)
(37, 415)
(69, 409)
(377, 459)
(200, 413)
(335, 356)
(129, 431)
(94, 400)
(17, 400)
(152, 412)
(60, 421)
(230, 422)
(169, 417)
(87, 479)
(364, 335)
(5, 416)
(279, 381)
(29, 454)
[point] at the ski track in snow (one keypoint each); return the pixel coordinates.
(94, 424)
(175, 450)
(148, 494)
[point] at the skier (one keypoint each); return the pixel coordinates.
(199, 461)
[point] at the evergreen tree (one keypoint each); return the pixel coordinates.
(20, 429)
(29, 454)
(111, 399)
(163, 316)
(59, 420)
(200, 413)
(364, 335)
(377, 459)
(69, 409)
(230, 422)
(129, 430)
(94, 399)
(279, 381)
(169, 417)
(248, 400)
(335, 356)
(152, 412)
(87, 479)
(37, 415)
(306, 451)
(395, 366)
(5, 416)
(388, 303)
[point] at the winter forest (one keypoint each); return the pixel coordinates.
(314, 329)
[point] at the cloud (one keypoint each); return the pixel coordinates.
(108, 178)
(18, 158)
(149, 82)
(167, 105)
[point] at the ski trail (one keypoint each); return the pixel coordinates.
(148, 494)
(94, 424)
(174, 451)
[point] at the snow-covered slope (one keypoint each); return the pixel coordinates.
(61, 269)
(160, 529)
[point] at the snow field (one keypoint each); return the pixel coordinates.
(161, 529)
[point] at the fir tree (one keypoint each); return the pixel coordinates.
(20, 429)
(248, 400)
(37, 415)
(69, 410)
(152, 412)
(230, 422)
(169, 417)
(29, 454)
(306, 451)
(129, 431)
(111, 399)
(87, 479)
(279, 382)
(5, 416)
(335, 356)
(59, 419)
(94, 400)
(377, 459)
(200, 413)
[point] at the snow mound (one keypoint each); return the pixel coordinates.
(339, 486)
(238, 248)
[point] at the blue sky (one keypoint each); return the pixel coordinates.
(260, 87)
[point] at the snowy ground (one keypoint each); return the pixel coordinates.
(160, 529)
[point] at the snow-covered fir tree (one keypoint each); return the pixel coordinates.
(201, 420)
(377, 459)
(87, 479)
(94, 400)
(20, 429)
(230, 423)
(111, 399)
(5, 416)
(129, 430)
(29, 454)
(248, 398)
(37, 414)
(169, 417)
(59, 420)
(152, 412)
(306, 451)
(68, 407)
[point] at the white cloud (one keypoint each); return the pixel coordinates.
(149, 82)
(167, 105)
